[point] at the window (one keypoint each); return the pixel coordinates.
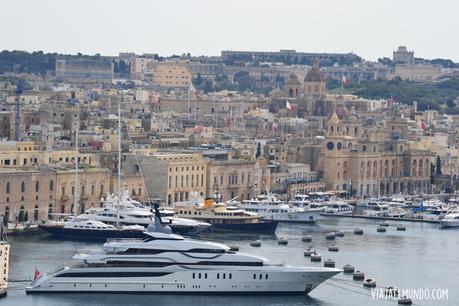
(22, 187)
(51, 185)
(8, 187)
(37, 186)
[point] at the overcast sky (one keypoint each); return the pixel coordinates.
(370, 28)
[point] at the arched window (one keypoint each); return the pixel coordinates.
(362, 170)
(375, 165)
(415, 165)
(345, 170)
(392, 170)
(386, 168)
(368, 169)
(37, 186)
(421, 167)
(8, 187)
(22, 187)
(51, 185)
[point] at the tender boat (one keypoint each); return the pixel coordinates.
(168, 263)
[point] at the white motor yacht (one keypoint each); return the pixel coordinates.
(131, 212)
(450, 220)
(168, 263)
(270, 208)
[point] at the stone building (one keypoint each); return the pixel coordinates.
(170, 176)
(356, 163)
(232, 179)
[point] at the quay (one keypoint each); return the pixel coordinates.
(382, 218)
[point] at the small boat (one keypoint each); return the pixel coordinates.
(401, 228)
(358, 231)
(329, 263)
(339, 234)
(330, 236)
(450, 220)
(256, 243)
(405, 301)
(386, 224)
(381, 229)
(369, 282)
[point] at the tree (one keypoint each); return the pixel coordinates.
(258, 150)
(438, 166)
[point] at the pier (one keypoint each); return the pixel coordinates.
(382, 218)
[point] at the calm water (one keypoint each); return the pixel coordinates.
(422, 257)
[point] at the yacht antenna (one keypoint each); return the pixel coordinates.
(77, 156)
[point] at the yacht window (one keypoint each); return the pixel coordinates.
(205, 275)
(261, 276)
(199, 275)
(266, 276)
(230, 276)
(194, 275)
(224, 275)
(254, 276)
(218, 275)
(112, 274)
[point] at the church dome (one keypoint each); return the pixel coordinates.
(315, 74)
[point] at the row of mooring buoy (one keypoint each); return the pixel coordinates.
(382, 227)
(371, 283)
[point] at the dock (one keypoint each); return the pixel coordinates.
(382, 218)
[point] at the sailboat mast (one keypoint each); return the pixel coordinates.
(77, 182)
(119, 166)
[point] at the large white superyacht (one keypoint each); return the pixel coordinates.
(168, 263)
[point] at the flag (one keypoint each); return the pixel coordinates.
(345, 80)
(274, 128)
(288, 105)
(423, 125)
(229, 122)
(36, 275)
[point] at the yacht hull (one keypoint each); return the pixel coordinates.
(88, 234)
(268, 227)
(449, 224)
(297, 217)
(289, 281)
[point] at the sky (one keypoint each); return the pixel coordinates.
(369, 28)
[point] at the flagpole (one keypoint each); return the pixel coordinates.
(188, 104)
(342, 84)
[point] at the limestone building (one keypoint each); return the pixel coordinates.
(355, 162)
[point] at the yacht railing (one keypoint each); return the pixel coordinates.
(124, 240)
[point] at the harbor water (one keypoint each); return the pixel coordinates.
(422, 257)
